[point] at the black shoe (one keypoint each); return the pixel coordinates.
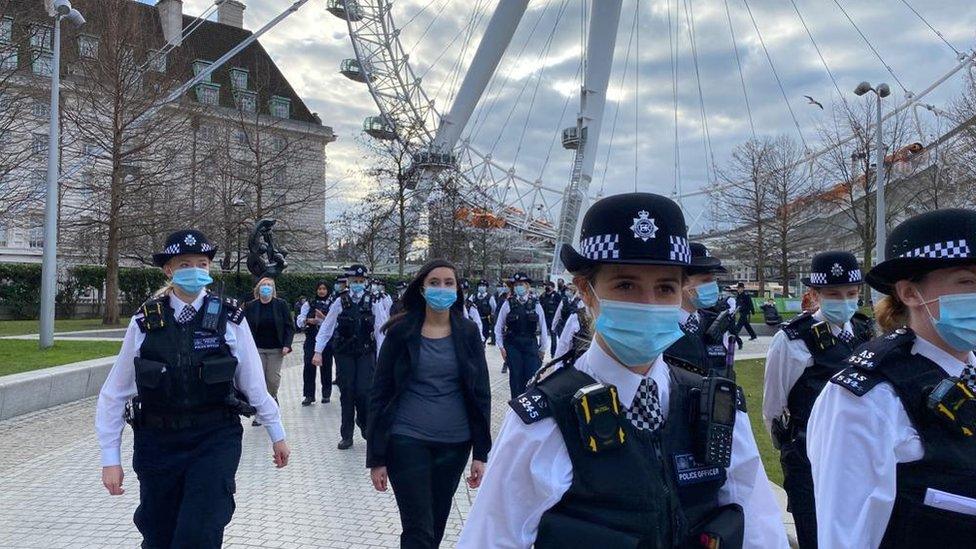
(752, 338)
(255, 423)
(345, 444)
(308, 401)
(326, 400)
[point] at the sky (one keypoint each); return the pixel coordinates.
(536, 87)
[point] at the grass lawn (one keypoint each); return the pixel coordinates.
(749, 374)
(17, 355)
(24, 327)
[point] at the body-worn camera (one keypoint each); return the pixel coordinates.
(598, 413)
(955, 404)
(716, 420)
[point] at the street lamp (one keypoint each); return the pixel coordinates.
(880, 231)
(49, 265)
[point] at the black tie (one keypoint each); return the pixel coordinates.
(645, 411)
(693, 324)
(969, 376)
(847, 338)
(186, 314)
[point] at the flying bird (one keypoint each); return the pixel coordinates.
(813, 101)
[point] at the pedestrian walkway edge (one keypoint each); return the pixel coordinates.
(39, 389)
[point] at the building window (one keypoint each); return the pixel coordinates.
(157, 61)
(279, 143)
(280, 107)
(207, 134)
(39, 143)
(246, 101)
(242, 139)
(35, 236)
(3, 236)
(238, 78)
(43, 63)
(6, 30)
(208, 94)
(38, 183)
(89, 150)
(87, 46)
(199, 66)
(41, 109)
(8, 58)
(42, 37)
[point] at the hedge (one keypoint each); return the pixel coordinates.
(20, 285)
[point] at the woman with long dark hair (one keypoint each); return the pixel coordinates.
(430, 404)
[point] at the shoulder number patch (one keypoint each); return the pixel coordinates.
(531, 406)
(855, 381)
(235, 313)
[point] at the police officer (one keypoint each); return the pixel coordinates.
(309, 318)
(634, 477)
(801, 359)
(339, 286)
(470, 310)
(567, 306)
(522, 334)
(890, 438)
(353, 327)
(397, 306)
(485, 303)
(550, 300)
(576, 334)
(187, 361)
(378, 290)
(707, 342)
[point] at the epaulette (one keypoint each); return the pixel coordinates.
(153, 317)
(795, 328)
(861, 376)
(531, 406)
(235, 312)
(856, 380)
(544, 372)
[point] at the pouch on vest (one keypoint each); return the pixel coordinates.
(723, 529)
(149, 373)
(955, 405)
(218, 370)
(559, 531)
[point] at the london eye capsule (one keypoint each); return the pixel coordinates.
(379, 127)
(571, 138)
(344, 9)
(351, 69)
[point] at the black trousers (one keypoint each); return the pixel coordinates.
(355, 375)
(424, 476)
(522, 357)
(487, 330)
(798, 484)
(744, 323)
(308, 371)
(186, 484)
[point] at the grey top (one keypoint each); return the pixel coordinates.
(432, 406)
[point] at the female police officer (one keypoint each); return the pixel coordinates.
(890, 438)
(521, 333)
(556, 480)
(801, 359)
(184, 357)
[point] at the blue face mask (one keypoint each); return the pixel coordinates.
(957, 320)
(192, 280)
(706, 295)
(440, 299)
(521, 290)
(265, 291)
(357, 288)
(838, 311)
(638, 333)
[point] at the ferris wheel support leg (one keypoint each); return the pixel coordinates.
(501, 27)
(601, 40)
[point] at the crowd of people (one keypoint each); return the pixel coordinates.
(634, 434)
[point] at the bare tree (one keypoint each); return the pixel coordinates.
(789, 188)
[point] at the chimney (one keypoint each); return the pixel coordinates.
(231, 12)
(171, 19)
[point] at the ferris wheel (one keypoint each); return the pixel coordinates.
(443, 143)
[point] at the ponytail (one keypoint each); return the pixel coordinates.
(164, 290)
(890, 313)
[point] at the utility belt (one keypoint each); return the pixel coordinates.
(787, 431)
(724, 528)
(139, 417)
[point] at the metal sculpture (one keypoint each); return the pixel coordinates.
(264, 258)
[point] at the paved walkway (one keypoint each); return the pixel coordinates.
(51, 494)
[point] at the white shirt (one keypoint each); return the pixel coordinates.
(785, 362)
(381, 313)
(120, 385)
(529, 471)
(471, 312)
(855, 444)
(572, 327)
(503, 314)
(302, 315)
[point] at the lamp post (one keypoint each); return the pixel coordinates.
(49, 265)
(239, 204)
(880, 231)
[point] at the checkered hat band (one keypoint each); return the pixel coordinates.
(172, 249)
(680, 250)
(854, 276)
(818, 278)
(604, 246)
(951, 249)
(178, 249)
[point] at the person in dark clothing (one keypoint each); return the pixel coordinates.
(743, 304)
(550, 300)
(430, 405)
(273, 328)
(397, 306)
(309, 318)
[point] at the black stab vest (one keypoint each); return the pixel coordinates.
(569, 307)
(693, 353)
(354, 326)
(522, 320)
(183, 368)
(317, 304)
(483, 305)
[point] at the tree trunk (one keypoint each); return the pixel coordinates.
(111, 314)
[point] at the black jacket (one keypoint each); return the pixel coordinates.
(743, 302)
(284, 323)
(397, 359)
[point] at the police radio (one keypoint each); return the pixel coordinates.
(954, 403)
(598, 414)
(716, 420)
(212, 304)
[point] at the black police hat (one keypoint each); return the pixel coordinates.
(401, 285)
(521, 277)
(483, 282)
(630, 229)
(702, 261)
(465, 284)
(356, 270)
(341, 279)
(182, 243)
(834, 268)
(934, 240)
